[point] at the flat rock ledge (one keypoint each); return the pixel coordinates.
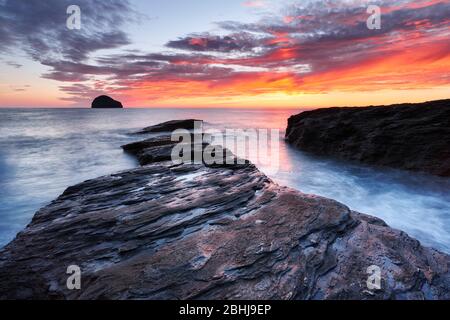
(172, 125)
(190, 231)
(408, 136)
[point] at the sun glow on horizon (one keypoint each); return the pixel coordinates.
(288, 57)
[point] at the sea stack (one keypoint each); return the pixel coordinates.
(105, 102)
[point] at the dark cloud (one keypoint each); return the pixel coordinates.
(39, 28)
(20, 88)
(14, 64)
(243, 41)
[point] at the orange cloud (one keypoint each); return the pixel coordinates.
(319, 52)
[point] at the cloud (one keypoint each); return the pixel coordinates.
(206, 43)
(14, 64)
(255, 3)
(307, 47)
(39, 28)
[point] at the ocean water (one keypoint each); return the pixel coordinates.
(43, 151)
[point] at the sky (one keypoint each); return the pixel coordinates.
(234, 53)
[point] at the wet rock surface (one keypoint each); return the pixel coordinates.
(190, 231)
(172, 125)
(410, 136)
(160, 148)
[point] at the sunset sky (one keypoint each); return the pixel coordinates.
(234, 53)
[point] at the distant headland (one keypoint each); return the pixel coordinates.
(105, 102)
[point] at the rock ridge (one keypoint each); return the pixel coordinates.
(190, 231)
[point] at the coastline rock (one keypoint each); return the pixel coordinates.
(409, 136)
(190, 231)
(172, 125)
(105, 102)
(160, 148)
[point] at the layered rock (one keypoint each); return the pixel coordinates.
(105, 102)
(172, 125)
(190, 231)
(160, 148)
(409, 136)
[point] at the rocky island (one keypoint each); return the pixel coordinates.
(191, 231)
(105, 102)
(407, 136)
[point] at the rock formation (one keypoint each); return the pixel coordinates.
(190, 231)
(105, 102)
(173, 125)
(409, 136)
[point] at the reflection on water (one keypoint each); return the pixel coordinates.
(44, 151)
(415, 203)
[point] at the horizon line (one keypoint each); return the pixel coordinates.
(227, 107)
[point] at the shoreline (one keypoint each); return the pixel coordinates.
(114, 226)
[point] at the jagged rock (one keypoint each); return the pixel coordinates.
(148, 143)
(190, 231)
(171, 126)
(105, 102)
(409, 136)
(160, 148)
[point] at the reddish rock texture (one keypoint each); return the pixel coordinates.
(165, 231)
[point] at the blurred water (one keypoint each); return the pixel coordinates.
(43, 151)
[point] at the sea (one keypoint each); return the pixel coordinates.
(44, 151)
